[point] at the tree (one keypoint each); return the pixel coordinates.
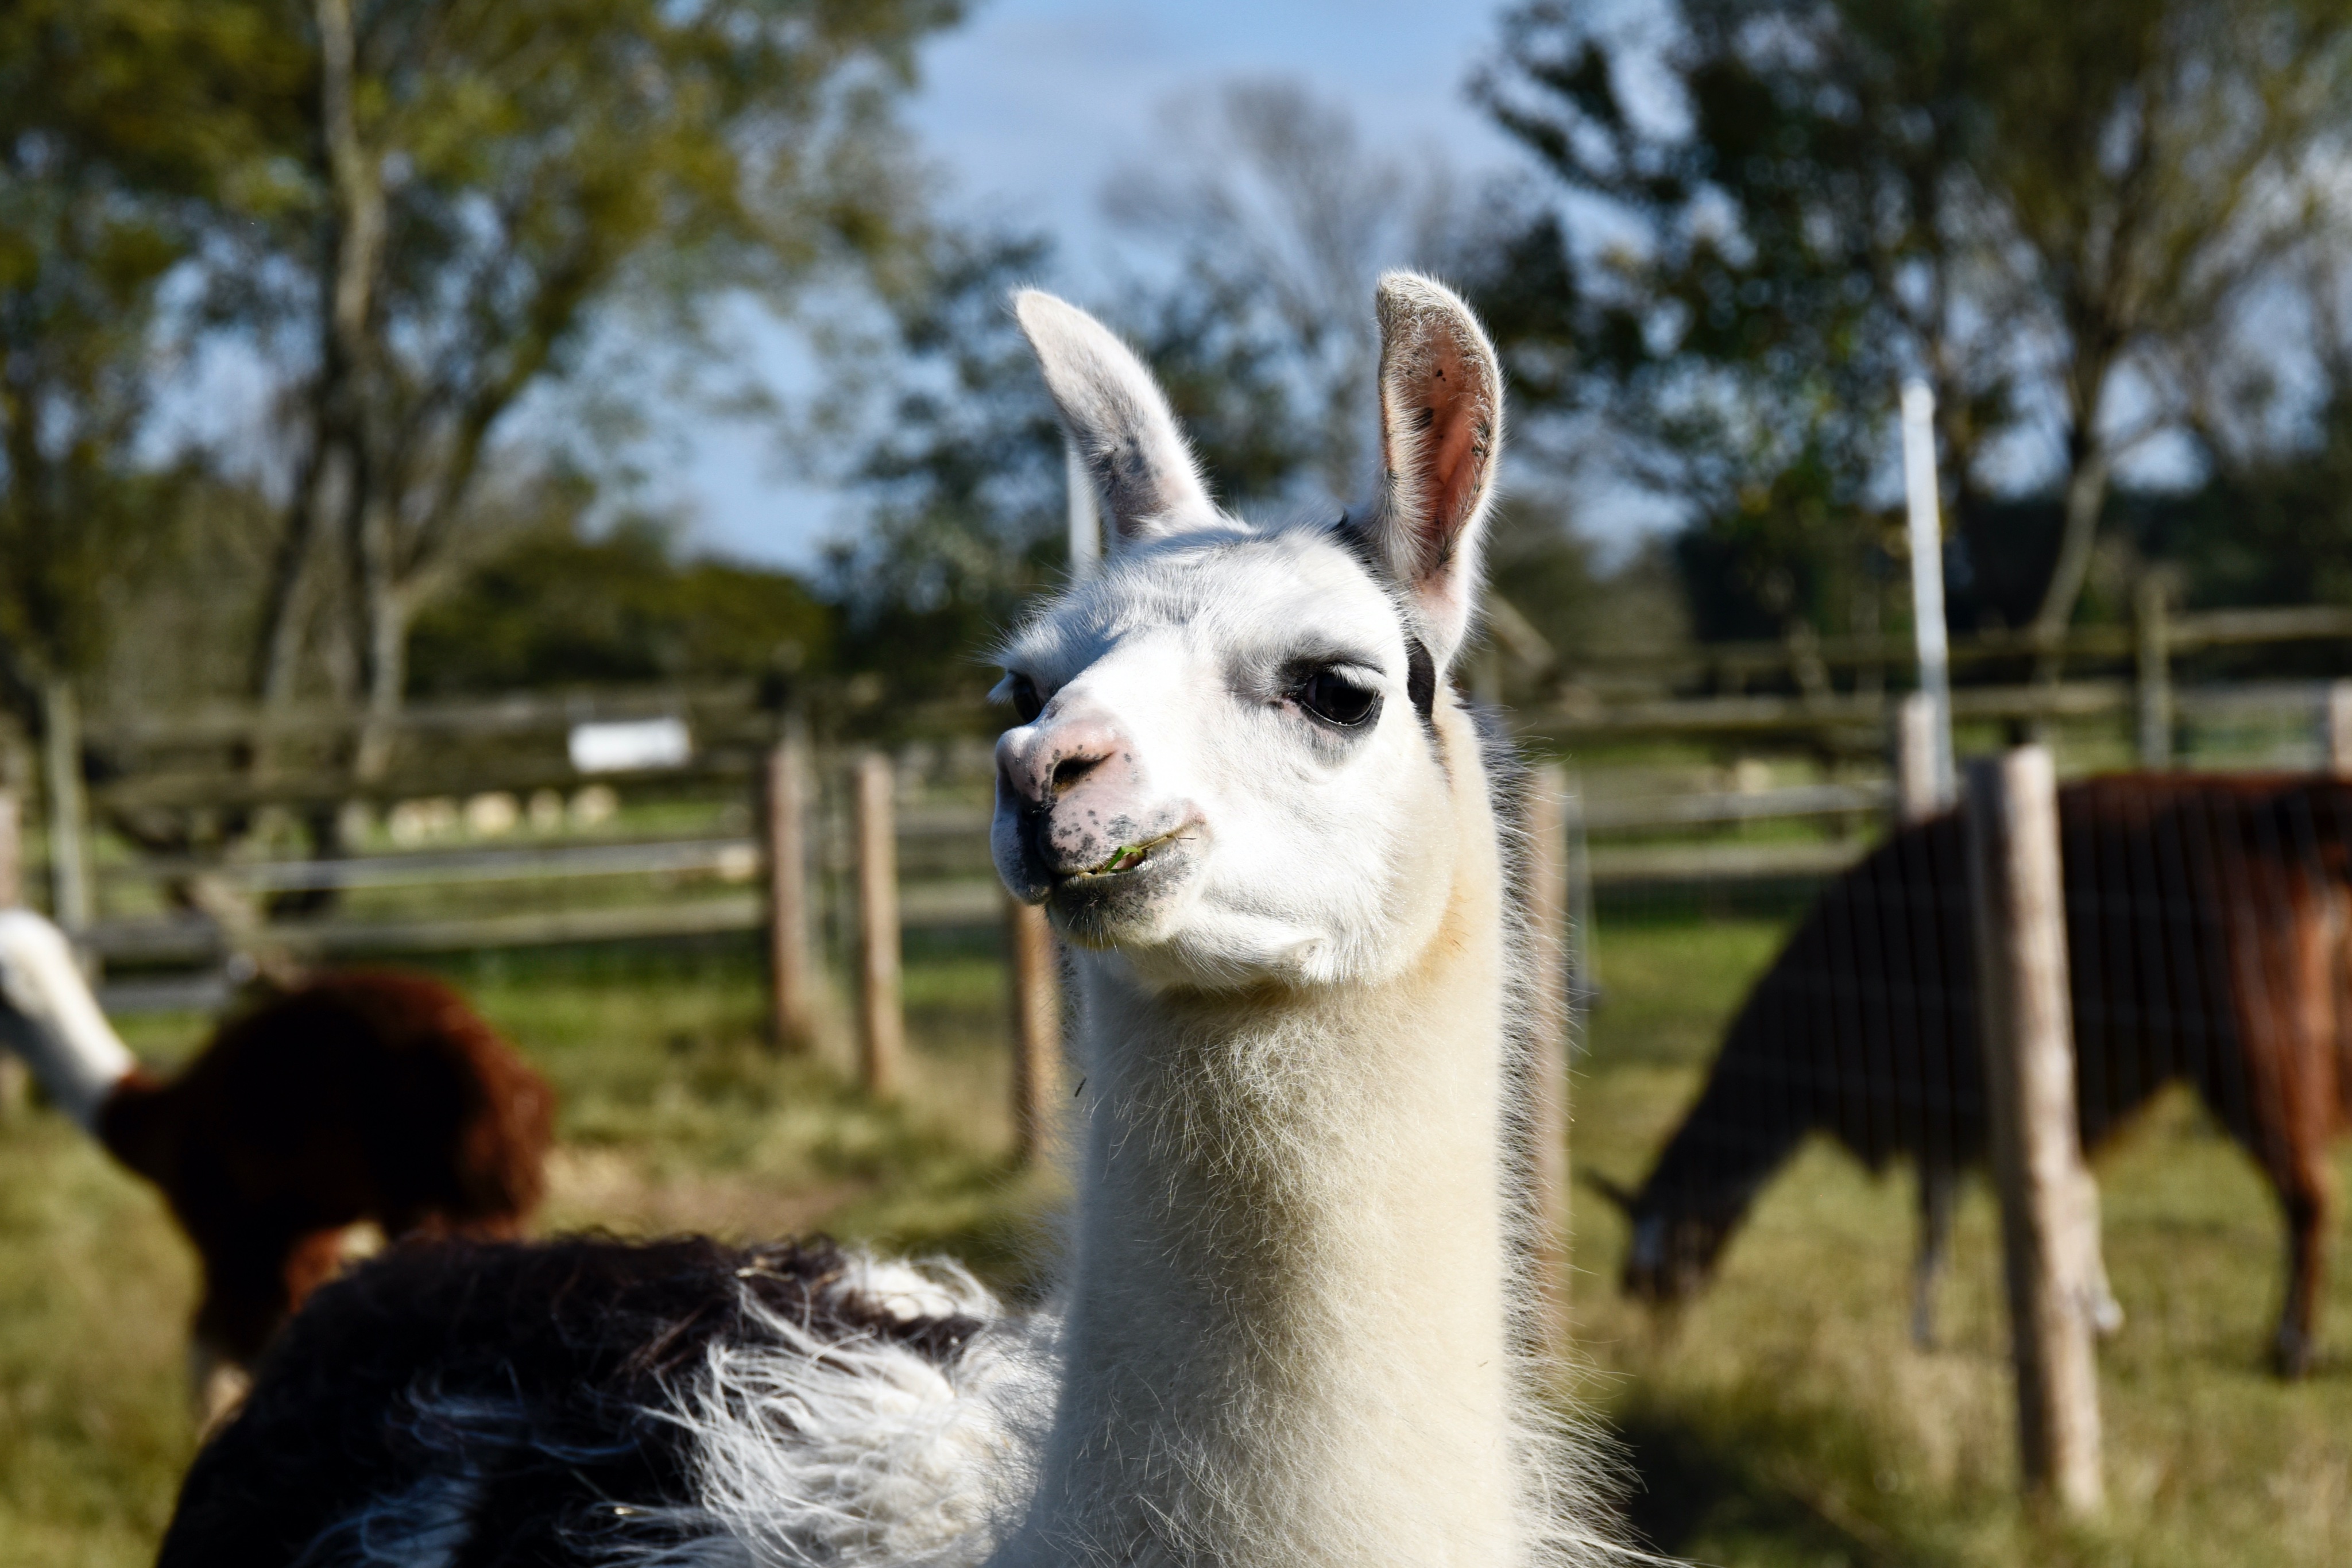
(2042, 208)
(482, 187)
(118, 122)
(561, 605)
(955, 460)
(112, 133)
(1274, 220)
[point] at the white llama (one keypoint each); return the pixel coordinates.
(1246, 793)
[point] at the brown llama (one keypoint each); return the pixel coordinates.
(351, 1098)
(2205, 934)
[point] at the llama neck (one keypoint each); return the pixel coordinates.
(1286, 1332)
(48, 1016)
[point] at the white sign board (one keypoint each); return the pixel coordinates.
(633, 747)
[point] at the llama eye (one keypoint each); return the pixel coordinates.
(1026, 704)
(1334, 699)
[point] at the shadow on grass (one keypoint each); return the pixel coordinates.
(1726, 1493)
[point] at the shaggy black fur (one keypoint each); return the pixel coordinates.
(502, 1394)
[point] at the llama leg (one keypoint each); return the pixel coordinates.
(2308, 1210)
(2098, 1297)
(217, 1385)
(2299, 1090)
(1939, 1191)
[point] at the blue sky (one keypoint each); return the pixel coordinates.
(1029, 107)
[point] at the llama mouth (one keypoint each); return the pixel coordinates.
(1125, 859)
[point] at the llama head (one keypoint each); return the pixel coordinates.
(1236, 753)
(1679, 1232)
(48, 1016)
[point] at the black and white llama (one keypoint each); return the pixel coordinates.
(1289, 1333)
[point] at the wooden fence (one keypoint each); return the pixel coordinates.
(827, 845)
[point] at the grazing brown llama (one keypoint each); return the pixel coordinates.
(2205, 929)
(1245, 791)
(351, 1098)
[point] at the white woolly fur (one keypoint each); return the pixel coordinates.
(1288, 1337)
(865, 1453)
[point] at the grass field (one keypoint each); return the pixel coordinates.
(1784, 1419)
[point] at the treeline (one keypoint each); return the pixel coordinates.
(455, 256)
(309, 308)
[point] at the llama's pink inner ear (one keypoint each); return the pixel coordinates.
(1456, 459)
(1441, 426)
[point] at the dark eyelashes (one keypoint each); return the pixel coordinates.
(1334, 699)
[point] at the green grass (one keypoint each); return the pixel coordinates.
(1784, 1419)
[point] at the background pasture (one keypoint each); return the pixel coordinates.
(1784, 1419)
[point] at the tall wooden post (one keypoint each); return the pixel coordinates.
(2153, 642)
(1583, 934)
(2027, 1045)
(881, 1015)
(783, 821)
(2338, 728)
(69, 900)
(1918, 781)
(15, 1080)
(12, 851)
(1548, 907)
(1923, 497)
(1036, 1030)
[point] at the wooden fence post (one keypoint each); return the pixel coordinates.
(12, 849)
(1548, 912)
(2153, 644)
(881, 1015)
(15, 1080)
(1036, 1030)
(1918, 782)
(2023, 1003)
(69, 902)
(1583, 936)
(783, 820)
(2339, 728)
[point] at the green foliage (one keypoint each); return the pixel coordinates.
(420, 215)
(2277, 531)
(1834, 196)
(561, 607)
(120, 120)
(962, 480)
(1793, 550)
(484, 185)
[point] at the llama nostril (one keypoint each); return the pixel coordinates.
(1070, 769)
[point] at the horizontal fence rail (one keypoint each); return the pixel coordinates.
(211, 776)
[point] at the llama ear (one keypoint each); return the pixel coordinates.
(1441, 433)
(1118, 419)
